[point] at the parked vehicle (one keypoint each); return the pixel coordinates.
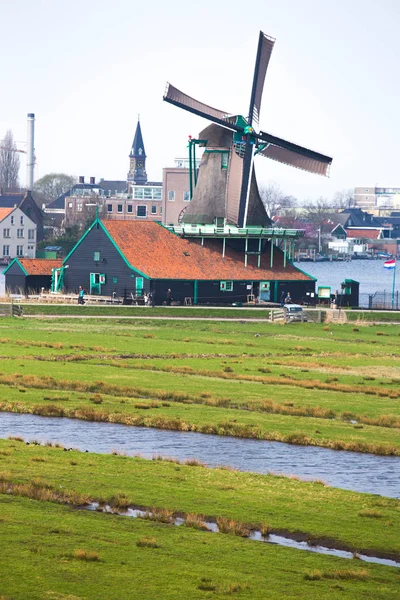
(294, 312)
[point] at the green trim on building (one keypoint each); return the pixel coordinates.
(15, 260)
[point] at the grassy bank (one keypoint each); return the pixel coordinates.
(50, 551)
(291, 383)
(53, 550)
(358, 522)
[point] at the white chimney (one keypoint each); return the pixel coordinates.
(30, 152)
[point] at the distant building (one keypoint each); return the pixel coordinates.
(175, 191)
(18, 235)
(378, 200)
(27, 204)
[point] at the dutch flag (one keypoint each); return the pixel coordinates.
(390, 264)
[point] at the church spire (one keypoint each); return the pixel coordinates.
(137, 167)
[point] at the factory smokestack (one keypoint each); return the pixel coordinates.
(30, 152)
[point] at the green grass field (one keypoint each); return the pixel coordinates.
(328, 385)
(52, 549)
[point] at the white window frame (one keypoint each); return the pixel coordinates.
(6, 250)
(20, 233)
(20, 251)
(171, 195)
(6, 233)
(31, 234)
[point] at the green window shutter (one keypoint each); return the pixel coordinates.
(97, 257)
(222, 286)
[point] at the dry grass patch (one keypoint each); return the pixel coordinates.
(370, 513)
(80, 554)
(345, 574)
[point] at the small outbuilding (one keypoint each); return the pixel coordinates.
(29, 275)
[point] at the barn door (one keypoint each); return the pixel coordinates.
(95, 286)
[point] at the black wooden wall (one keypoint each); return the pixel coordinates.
(119, 277)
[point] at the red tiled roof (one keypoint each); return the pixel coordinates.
(371, 234)
(4, 212)
(39, 266)
(160, 254)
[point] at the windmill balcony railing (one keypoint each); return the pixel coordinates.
(223, 232)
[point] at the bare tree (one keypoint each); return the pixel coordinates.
(317, 212)
(275, 200)
(343, 199)
(51, 186)
(9, 163)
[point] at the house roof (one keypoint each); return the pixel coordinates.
(4, 212)
(160, 254)
(113, 186)
(366, 232)
(10, 200)
(39, 266)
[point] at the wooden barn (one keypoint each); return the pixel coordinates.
(128, 259)
(29, 275)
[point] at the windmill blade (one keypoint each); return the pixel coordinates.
(178, 98)
(294, 155)
(264, 51)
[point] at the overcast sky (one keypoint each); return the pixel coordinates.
(87, 68)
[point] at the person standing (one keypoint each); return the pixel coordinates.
(288, 299)
(81, 295)
(169, 297)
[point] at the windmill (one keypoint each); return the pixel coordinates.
(234, 193)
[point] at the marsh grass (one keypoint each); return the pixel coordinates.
(195, 521)
(232, 527)
(370, 513)
(344, 574)
(84, 555)
(265, 529)
(161, 515)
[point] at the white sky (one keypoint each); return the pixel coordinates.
(87, 68)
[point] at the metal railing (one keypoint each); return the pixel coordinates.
(380, 301)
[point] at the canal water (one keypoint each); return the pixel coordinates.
(371, 274)
(347, 470)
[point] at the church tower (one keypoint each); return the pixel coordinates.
(137, 159)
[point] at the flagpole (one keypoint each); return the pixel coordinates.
(394, 283)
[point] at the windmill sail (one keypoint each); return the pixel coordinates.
(264, 51)
(294, 155)
(178, 98)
